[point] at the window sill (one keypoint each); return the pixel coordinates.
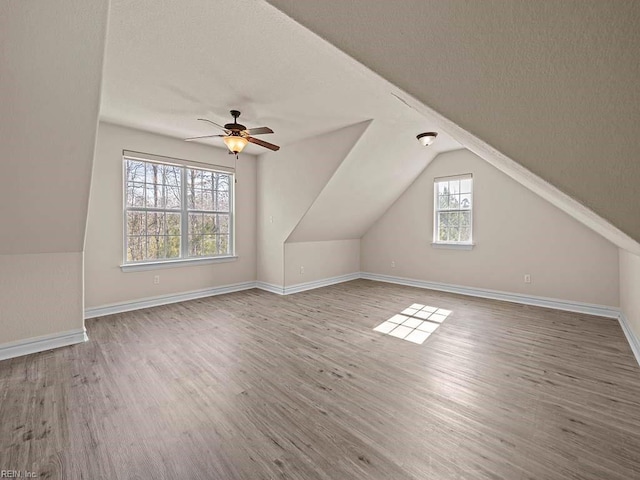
(139, 267)
(454, 246)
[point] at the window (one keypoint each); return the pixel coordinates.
(175, 211)
(453, 201)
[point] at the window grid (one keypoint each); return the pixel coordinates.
(176, 212)
(453, 206)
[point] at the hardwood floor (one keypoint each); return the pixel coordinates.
(252, 385)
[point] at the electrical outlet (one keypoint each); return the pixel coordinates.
(393, 264)
(301, 270)
(527, 278)
(156, 279)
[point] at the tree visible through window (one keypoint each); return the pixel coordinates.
(175, 211)
(453, 201)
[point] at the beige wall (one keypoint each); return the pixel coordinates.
(630, 289)
(320, 260)
(40, 294)
(289, 181)
(105, 283)
(515, 231)
(51, 71)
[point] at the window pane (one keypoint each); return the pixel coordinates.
(195, 223)
(465, 234)
(443, 188)
(208, 224)
(155, 247)
(135, 248)
(207, 179)
(465, 185)
(155, 223)
(454, 201)
(207, 200)
(443, 219)
(171, 176)
(465, 201)
(194, 178)
(173, 197)
(223, 224)
(454, 186)
(224, 246)
(209, 246)
(172, 243)
(135, 195)
(222, 202)
(197, 199)
(153, 196)
(442, 234)
(223, 182)
(195, 245)
(454, 219)
(465, 219)
(134, 171)
(173, 223)
(453, 234)
(136, 223)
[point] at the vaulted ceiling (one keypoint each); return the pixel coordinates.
(552, 85)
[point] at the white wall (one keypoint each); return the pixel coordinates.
(515, 232)
(105, 283)
(630, 289)
(320, 260)
(289, 181)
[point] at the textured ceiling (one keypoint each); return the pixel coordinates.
(168, 63)
(553, 85)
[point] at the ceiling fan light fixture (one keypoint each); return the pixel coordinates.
(235, 143)
(427, 138)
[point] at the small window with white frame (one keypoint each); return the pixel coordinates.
(175, 211)
(453, 208)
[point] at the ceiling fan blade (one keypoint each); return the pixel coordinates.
(264, 144)
(258, 131)
(213, 123)
(204, 136)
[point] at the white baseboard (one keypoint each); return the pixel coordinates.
(325, 282)
(301, 287)
(42, 343)
(47, 342)
(567, 305)
(270, 287)
(165, 299)
(634, 342)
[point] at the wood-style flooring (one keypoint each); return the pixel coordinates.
(252, 385)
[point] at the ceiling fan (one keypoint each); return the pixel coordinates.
(237, 136)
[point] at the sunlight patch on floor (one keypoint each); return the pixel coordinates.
(414, 323)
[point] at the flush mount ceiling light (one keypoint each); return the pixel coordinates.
(427, 138)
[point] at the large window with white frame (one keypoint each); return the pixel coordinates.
(453, 209)
(175, 211)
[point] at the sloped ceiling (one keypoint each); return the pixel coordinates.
(377, 170)
(50, 76)
(552, 85)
